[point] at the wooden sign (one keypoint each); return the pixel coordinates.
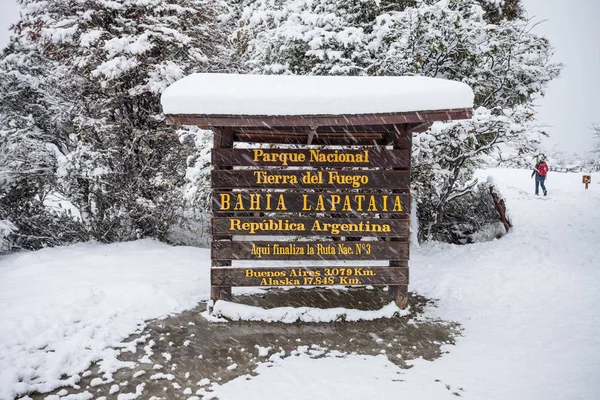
(310, 176)
(368, 158)
(266, 226)
(587, 179)
(309, 276)
(325, 179)
(313, 202)
(286, 250)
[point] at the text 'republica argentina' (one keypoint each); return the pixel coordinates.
(316, 226)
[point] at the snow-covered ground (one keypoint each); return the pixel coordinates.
(527, 303)
(62, 308)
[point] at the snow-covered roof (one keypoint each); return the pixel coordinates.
(282, 95)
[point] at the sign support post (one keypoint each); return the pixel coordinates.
(399, 293)
(587, 179)
(222, 139)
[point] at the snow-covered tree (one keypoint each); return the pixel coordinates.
(127, 167)
(497, 11)
(489, 48)
(592, 159)
(34, 134)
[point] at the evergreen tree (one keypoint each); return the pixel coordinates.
(34, 135)
(127, 167)
(497, 11)
(592, 161)
(491, 49)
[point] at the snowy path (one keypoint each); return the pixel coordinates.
(527, 303)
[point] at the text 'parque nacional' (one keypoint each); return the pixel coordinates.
(283, 157)
(296, 157)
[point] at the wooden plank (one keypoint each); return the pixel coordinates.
(292, 202)
(399, 293)
(305, 133)
(310, 179)
(281, 250)
(501, 208)
(223, 138)
(345, 129)
(418, 128)
(368, 158)
(309, 276)
(209, 121)
(268, 226)
(347, 140)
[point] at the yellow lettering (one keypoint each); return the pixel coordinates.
(234, 225)
(255, 201)
(320, 204)
(335, 200)
(397, 205)
(305, 206)
(372, 204)
(268, 207)
(347, 205)
(239, 205)
(281, 203)
(359, 200)
(225, 201)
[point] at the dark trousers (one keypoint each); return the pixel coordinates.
(539, 181)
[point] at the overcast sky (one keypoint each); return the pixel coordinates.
(9, 13)
(572, 103)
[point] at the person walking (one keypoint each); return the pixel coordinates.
(540, 172)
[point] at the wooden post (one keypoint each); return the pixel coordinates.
(223, 139)
(399, 293)
(501, 208)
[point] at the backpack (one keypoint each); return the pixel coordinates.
(543, 169)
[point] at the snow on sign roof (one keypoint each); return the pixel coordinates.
(286, 95)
